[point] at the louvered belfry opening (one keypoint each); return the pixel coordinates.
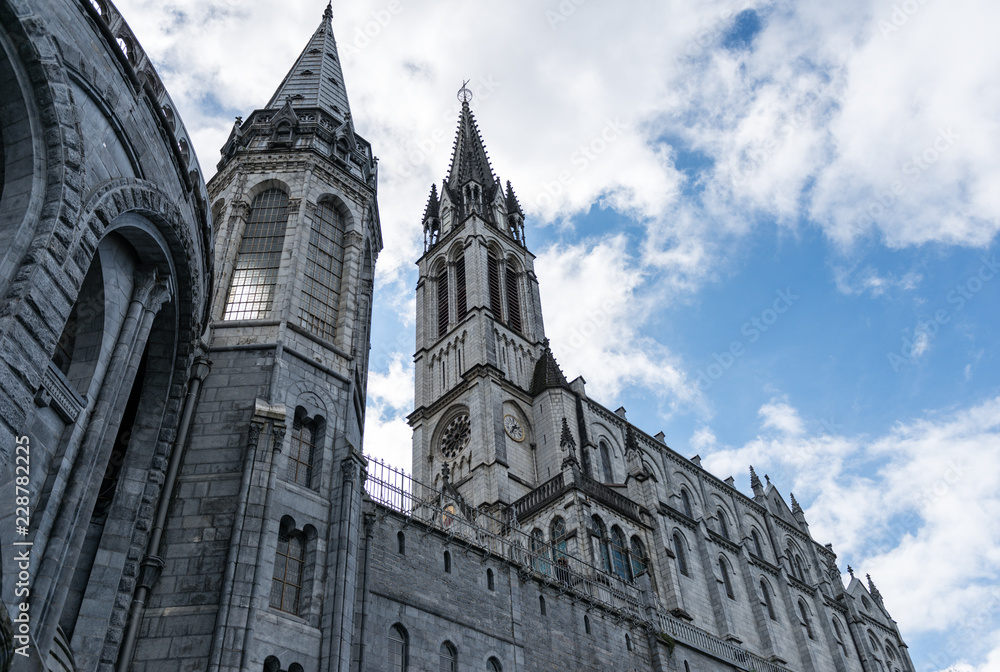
(493, 271)
(513, 301)
(460, 304)
(442, 297)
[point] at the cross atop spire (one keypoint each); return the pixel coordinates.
(316, 79)
(469, 160)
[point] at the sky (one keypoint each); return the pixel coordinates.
(764, 228)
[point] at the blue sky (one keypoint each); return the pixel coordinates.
(768, 229)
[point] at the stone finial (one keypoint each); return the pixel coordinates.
(796, 509)
(445, 473)
(328, 13)
(850, 570)
(872, 590)
(755, 484)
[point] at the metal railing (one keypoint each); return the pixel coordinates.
(502, 537)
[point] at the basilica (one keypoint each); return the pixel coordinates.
(183, 372)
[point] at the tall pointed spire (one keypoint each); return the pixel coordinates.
(316, 79)
(469, 160)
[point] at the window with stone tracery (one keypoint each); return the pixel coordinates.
(255, 273)
(323, 271)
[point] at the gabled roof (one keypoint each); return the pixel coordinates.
(469, 160)
(316, 79)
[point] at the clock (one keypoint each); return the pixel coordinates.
(513, 428)
(456, 436)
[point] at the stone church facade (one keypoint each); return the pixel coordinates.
(183, 373)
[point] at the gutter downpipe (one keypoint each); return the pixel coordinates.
(152, 564)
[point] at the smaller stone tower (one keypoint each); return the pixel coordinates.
(479, 335)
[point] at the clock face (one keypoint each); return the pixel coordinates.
(513, 428)
(456, 436)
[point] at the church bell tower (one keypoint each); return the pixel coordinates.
(484, 423)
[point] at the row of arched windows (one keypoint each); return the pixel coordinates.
(503, 292)
(624, 558)
(797, 567)
(399, 654)
(258, 259)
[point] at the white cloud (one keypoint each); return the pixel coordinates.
(780, 416)
(388, 436)
(593, 313)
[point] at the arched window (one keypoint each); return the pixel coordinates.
(541, 604)
(679, 552)
(461, 307)
(686, 503)
(757, 548)
(324, 268)
(288, 561)
(806, 623)
(493, 665)
(766, 596)
(559, 537)
(256, 270)
(513, 300)
(493, 277)
(890, 655)
(609, 475)
(442, 300)
(302, 452)
(399, 654)
(448, 657)
(447, 562)
(601, 532)
(724, 569)
(401, 543)
(489, 579)
(791, 561)
(800, 568)
(539, 551)
(272, 664)
(865, 603)
(723, 525)
(586, 623)
(619, 554)
(839, 632)
(628, 642)
(638, 553)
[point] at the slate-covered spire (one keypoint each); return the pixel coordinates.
(469, 160)
(547, 372)
(316, 79)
